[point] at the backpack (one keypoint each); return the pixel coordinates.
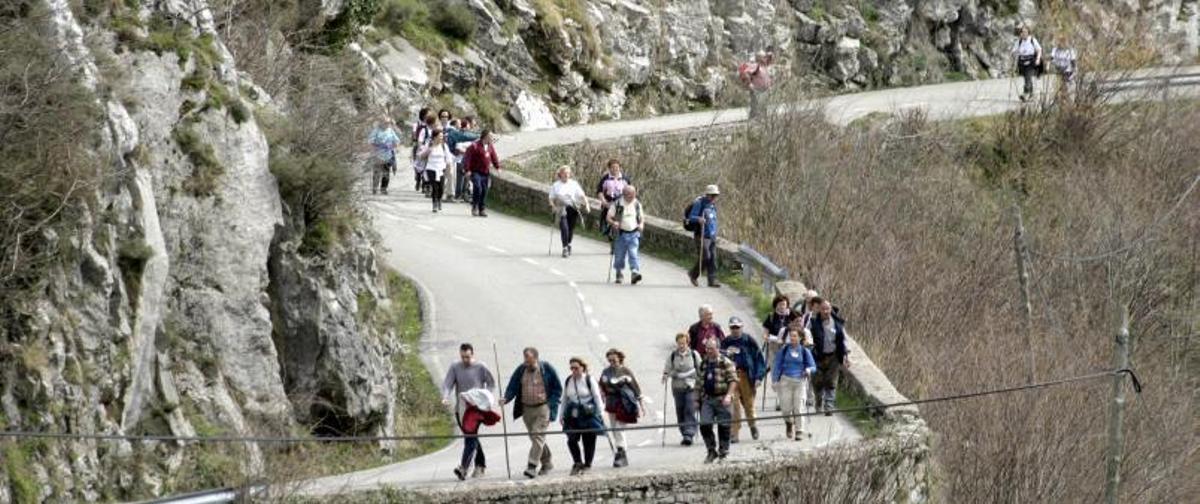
(621, 211)
(695, 362)
(688, 223)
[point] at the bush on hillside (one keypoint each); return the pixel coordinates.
(455, 20)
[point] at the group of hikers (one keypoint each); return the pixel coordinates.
(714, 378)
(1030, 60)
(439, 160)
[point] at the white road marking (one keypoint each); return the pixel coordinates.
(461, 238)
(423, 227)
(645, 443)
(602, 337)
(530, 261)
(575, 286)
(556, 272)
(496, 249)
(390, 217)
(579, 295)
(658, 414)
(587, 309)
(595, 323)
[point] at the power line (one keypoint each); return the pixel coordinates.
(1137, 386)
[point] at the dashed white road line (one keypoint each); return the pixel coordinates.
(463, 239)
(423, 227)
(595, 323)
(587, 309)
(576, 287)
(602, 337)
(645, 442)
(556, 272)
(530, 261)
(496, 249)
(580, 296)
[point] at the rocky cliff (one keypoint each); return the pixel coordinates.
(540, 63)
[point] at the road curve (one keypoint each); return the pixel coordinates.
(492, 280)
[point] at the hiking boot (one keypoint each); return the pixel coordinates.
(531, 472)
(620, 277)
(461, 472)
(713, 284)
(569, 251)
(687, 441)
(482, 213)
(546, 468)
(576, 469)
(479, 470)
(637, 277)
(800, 435)
(565, 253)
(622, 459)
(583, 469)
(789, 430)
(712, 455)
(754, 432)
(695, 280)
(721, 456)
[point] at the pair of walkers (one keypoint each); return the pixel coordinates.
(703, 383)
(1030, 60)
(623, 218)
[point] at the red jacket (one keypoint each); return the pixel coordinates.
(481, 159)
(474, 417)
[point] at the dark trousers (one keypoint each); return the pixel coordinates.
(685, 412)
(460, 182)
(472, 448)
(479, 194)
(709, 248)
(713, 411)
(380, 175)
(566, 225)
(1025, 64)
(589, 447)
(825, 381)
(436, 188)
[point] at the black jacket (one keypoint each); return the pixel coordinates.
(818, 334)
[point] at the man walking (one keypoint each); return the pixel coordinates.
(703, 219)
(384, 139)
(611, 186)
(683, 366)
(719, 379)
(536, 390)
(465, 375)
(701, 332)
(479, 161)
(625, 217)
(751, 368)
(829, 349)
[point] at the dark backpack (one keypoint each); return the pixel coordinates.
(688, 223)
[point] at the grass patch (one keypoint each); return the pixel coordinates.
(488, 108)
(432, 27)
(866, 423)
(22, 486)
(206, 168)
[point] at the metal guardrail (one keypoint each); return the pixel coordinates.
(215, 496)
(1150, 81)
(754, 261)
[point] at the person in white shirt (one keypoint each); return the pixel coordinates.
(1063, 57)
(1028, 53)
(566, 199)
(437, 158)
(581, 406)
(627, 222)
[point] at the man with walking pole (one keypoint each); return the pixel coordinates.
(535, 390)
(464, 376)
(702, 222)
(503, 422)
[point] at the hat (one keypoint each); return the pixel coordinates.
(712, 189)
(735, 322)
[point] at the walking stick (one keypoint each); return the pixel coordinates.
(664, 420)
(503, 419)
(549, 246)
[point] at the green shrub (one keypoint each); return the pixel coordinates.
(455, 20)
(206, 168)
(491, 112)
(21, 480)
(346, 26)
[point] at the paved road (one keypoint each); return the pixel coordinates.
(492, 280)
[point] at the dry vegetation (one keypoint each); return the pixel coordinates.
(908, 225)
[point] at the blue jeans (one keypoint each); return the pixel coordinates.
(472, 449)
(685, 412)
(480, 190)
(627, 244)
(712, 410)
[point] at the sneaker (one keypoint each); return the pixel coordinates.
(479, 471)
(569, 251)
(531, 472)
(687, 441)
(620, 277)
(565, 253)
(695, 280)
(461, 472)
(637, 277)
(754, 432)
(546, 468)
(576, 469)
(712, 455)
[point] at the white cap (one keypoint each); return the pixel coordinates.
(712, 189)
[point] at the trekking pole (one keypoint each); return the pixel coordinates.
(550, 246)
(663, 429)
(503, 419)
(611, 253)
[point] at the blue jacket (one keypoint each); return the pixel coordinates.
(785, 364)
(748, 356)
(455, 136)
(553, 389)
(708, 210)
(818, 334)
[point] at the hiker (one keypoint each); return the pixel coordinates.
(566, 198)
(751, 368)
(457, 134)
(682, 367)
(465, 376)
(829, 350)
(609, 189)
(756, 77)
(535, 392)
(444, 117)
(1063, 57)
(438, 158)
(479, 161)
(1028, 53)
(627, 222)
(775, 331)
(424, 138)
(719, 380)
(705, 329)
(384, 139)
(622, 401)
(793, 366)
(702, 218)
(580, 415)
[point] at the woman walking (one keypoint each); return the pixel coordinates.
(682, 367)
(793, 365)
(775, 331)
(622, 400)
(580, 415)
(437, 158)
(566, 198)
(1028, 52)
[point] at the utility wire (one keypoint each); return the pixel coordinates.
(1137, 387)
